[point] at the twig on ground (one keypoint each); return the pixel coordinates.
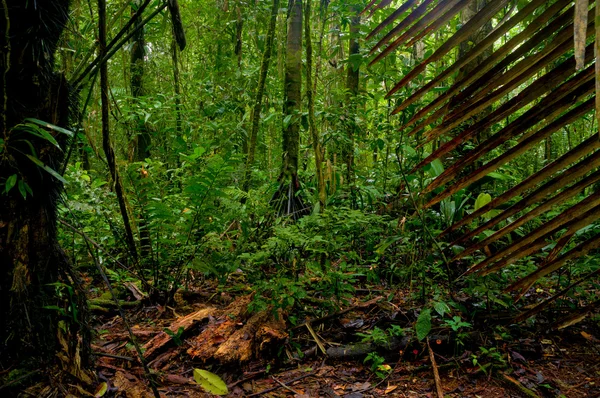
(256, 394)
(520, 386)
(104, 354)
(316, 321)
(436, 373)
(248, 377)
(284, 386)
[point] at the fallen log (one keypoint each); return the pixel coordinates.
(158, 342)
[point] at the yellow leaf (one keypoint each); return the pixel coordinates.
(101, 390)
(389, 389)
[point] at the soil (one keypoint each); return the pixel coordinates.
(515, 361)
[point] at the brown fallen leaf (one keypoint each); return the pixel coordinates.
(589, 337)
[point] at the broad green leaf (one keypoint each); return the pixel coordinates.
(22, 189)
(54, 174)
(482, 200)
(441, 308)
(423, 325)
(10, 183)
(382, 247)
(408, 151)
(49, 170)
(50, 126)
(437, 167)
(28, 189)
(98, 183)
(38, 132)
(210, 382)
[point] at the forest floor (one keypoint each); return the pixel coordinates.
(256, 355)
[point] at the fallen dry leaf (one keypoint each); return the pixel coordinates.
(389, 389)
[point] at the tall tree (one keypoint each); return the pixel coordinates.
(292, 102)
(312, 124)
(352, 83)
(138, 53)
(286, 198)
(32, 261)
(106, 141)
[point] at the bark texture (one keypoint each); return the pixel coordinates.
(292, 92)
(286, 199)
(31, 261)
(352, 82)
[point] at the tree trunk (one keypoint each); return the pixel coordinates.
(260, 91)
(34, 268)
(142, 135)
(292, 103)
(285, 199)
(106, 144)
(312, 125)
(176, 86)
(352, 81)
(138, 53)
(469, 12)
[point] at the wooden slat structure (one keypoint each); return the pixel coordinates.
(540, 79)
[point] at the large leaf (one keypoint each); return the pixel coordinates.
(39, 132)
(210, 382)
(50, 126)
(48, 169)
(482, 200)
(441, 308)
(423, 325)
(10, 183)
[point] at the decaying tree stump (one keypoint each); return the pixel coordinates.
(229, 335)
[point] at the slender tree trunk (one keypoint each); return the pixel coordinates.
(138, 53)
(239, 27)
(312, 125)
(260, 91)
(548, 150)
(352, 83)
(106, 144)
(176, 86)
(143, 139)
(33, 266)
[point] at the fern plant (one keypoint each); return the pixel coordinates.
(177, 213)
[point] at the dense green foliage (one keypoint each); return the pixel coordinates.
(192, 217)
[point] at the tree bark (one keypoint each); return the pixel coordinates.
(138, 53)
(312, 125)
(106, 144)
(352, 82)
(292, 92)
(143, 139)
(176, 86)
(34, 267)
(286, 200)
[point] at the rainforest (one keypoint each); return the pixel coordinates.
(333, 198)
